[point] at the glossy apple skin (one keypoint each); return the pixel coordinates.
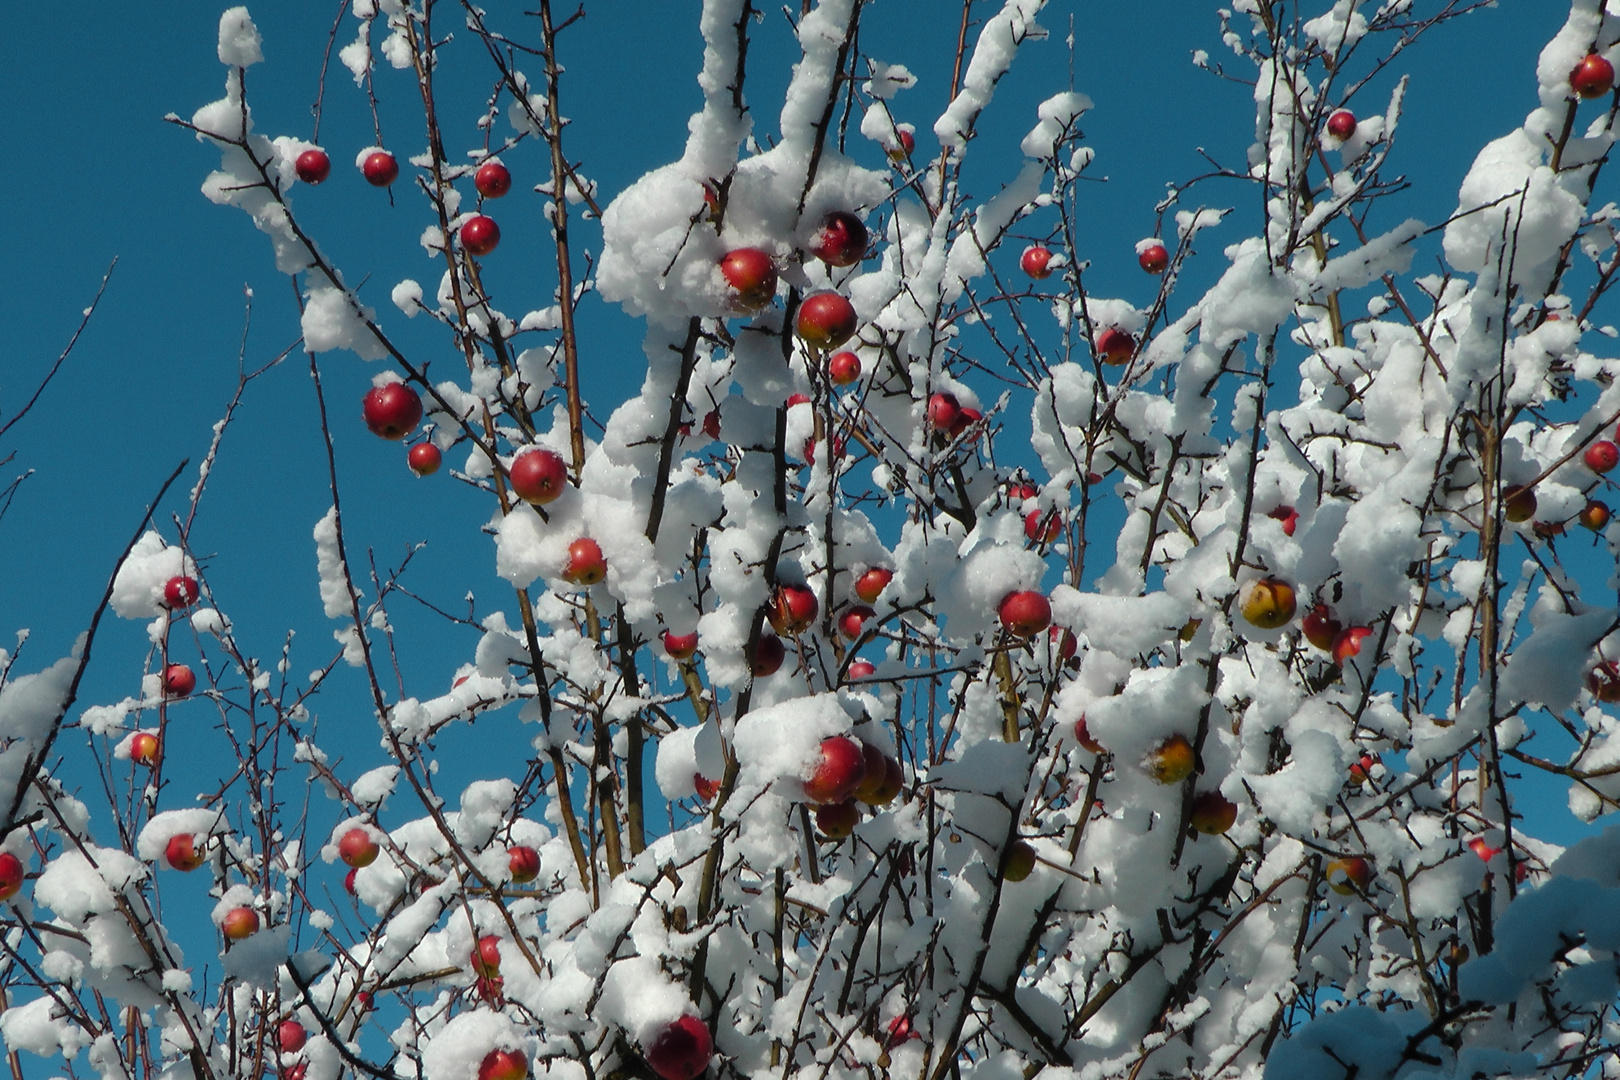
(840, 240)
(11, 875)
(706, 789)
(1288, 516)
(1213, 813)
(1320, 627)
(826, 320)
(492, 180)
(836, 821)
(424, 459)
(1593, 77)
(1267, 603)
(480, 235)
(1602, 456)
(503, 1065)
(180, 592)
(1595, 514)
(380, 169)
(1348, 643)
(145, 749)
(538, 476)
(1171, 761)
(290, 1034)
(943, 411)
(1036, 262)
(893, 782)
(860, 669)
(1063, 642)
(486, 956)
(181, 852)
(1153, 259)
(1519, 503)
(178, 680)
(313, 166)
(1020, 861)
(965, 419)
(851, 623)
(682, 1050)
(1349, 876)
(680, 646)
(905, 143)
(844, 368)
(751, 273)
(1043, 528)
(1025, 614)
(1342, 124)
(768, 656)
(870, 585)
(1115, 346)
(586, 566)
(391, 410)
(1361, 771)
(239, 923)
(836, 772)
(524, 863)
(1083, 736)
(357, 848)
(793, 609)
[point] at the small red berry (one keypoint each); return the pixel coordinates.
(180, 592)
(391, 410)
(380, 169)
(492, 180)
(178, 680)
(480, 235)
(1593, 77)
(1036, 262)
(1602, 456)
(1342, 124)
(1153, 258)
(313, 166)
(424, 459)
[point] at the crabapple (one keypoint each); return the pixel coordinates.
(836, 772)
(682, 1050)
(11, 875)
(943, 411)
(178, 680)
(1025, 614)
(1602, 456)
(751, 273)
(680, 646)
(1114, 346)
(479, 234)
(826, 320)
(380, 169)
(486, 956)
(872, 583)
(239, 923)
(313, 166)
(180, 592)
(837, 820)
(768, 656)
(1020, 861)
(1212, 813)
(538, 475)
(523, 862)
(1171, 761)
(1519, 503)
(357, 848)
(503, 1065)
(424, 459)
(290, 1034)
(793, 609)
(1320, 627)
(1351, 875)
(181, 852)
(1342, 124)
(492, 180)
(840, 240)
(843, 368)
(1348, 643)
(852, 621)
(1593, 77)
(586, 565)
(1594, 515)
(145, 748)
(1267, 603)
(1287, 515)
(1153, 258)
(391, 410)
(1036, 262)
(860, 669)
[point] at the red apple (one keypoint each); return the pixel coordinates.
(1017, 492)
(180, 592)
(1114, 346)
(943, 411)
(965, 419)
(348, 882)
(486, 956)
(380, 169)
(492, 180)
(1153, 258)
(1043, 528)
(795, 399)
(837, 820)
(826, 320)
(711, 423)
(1348, 643)
(884, 792)
(391, 410)
(1171, 761)
(1342, 124)
(1602, 456)
(1287, 515)
(904, 143)
(1020, 861)
(860, 669)
(1036, 262)
(843, 368)
(182, 853)
(768, 656)
(1361, 771)
(1267, 603)
(503, 1065)
(1082, 735)
(313, 166)
(1212, 813)
(872, 760)
(291, 1035)
(682, 1050)
(793, 609)
(752, 276)
(178, 680)
(145, 749)
(680, 646)
(239, 923)
(1593, 77)
(853, 620)
(1594, 515)
(424, 459)
(900, 1031)
(296, 1071)
(840, 240)
(364, 1001)
(1320, 627)
(1519, 503)
(706, 788)
(1025, 614)
(538, 476)
(1481, 847)
(11, 875)
(836, 771)
(479, 234)
(524, 863)
(586, 566)
(1351, 875)
(1063, 642)
(357, 848)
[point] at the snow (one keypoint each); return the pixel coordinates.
(992, 56)
(137, 591)
(238, 38)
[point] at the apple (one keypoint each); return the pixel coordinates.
(965, 419)
(1321, 628)
(1020, 861)
(1114, 346)
(1604, 681)
(1267, 603)
(894, 780)
(11, 875)
(943, 411)
(486, 956)
(391, 410)
(1348, 643)
(479, 234)
(1361, 771)
(538, 476)
(239, 923)
(905, 142)
(313, 166)
(1287, 515)
(872, 759)
(1043, 529)
(1025, 614)
(182, 853)
(1153, 258)
(711, 423)
(840, 240)
(706, 788)
(178, 680)
(900, 1031)
(836, 821)
(795, 399)
(682, 1050)
(524, 863)
(492, 180)
(380, 169)
(364, 1001)
(348, 882)
(1351, 875)
(357, 848)
(872, 583)
(680, 646)
(826, 320)
(1018, 492)
(1602, 456)
(180, 592)
(291, 1036)
(836, 772)
(1342, 124)
(1171, 761)
(843, 368)
(768, 656)
(1036, 262)
(1063, 642)
(1481, 847)
(1083, 736)
(860, 669)
(1594, 515)
(296, 1071)
(503, 1065)
(851, 622)
(751, 273)
(586, 566)
(145, 749)
(793, 609)
(424, 459)
(1593, 77)
(1519, 503)
(1212, 813)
